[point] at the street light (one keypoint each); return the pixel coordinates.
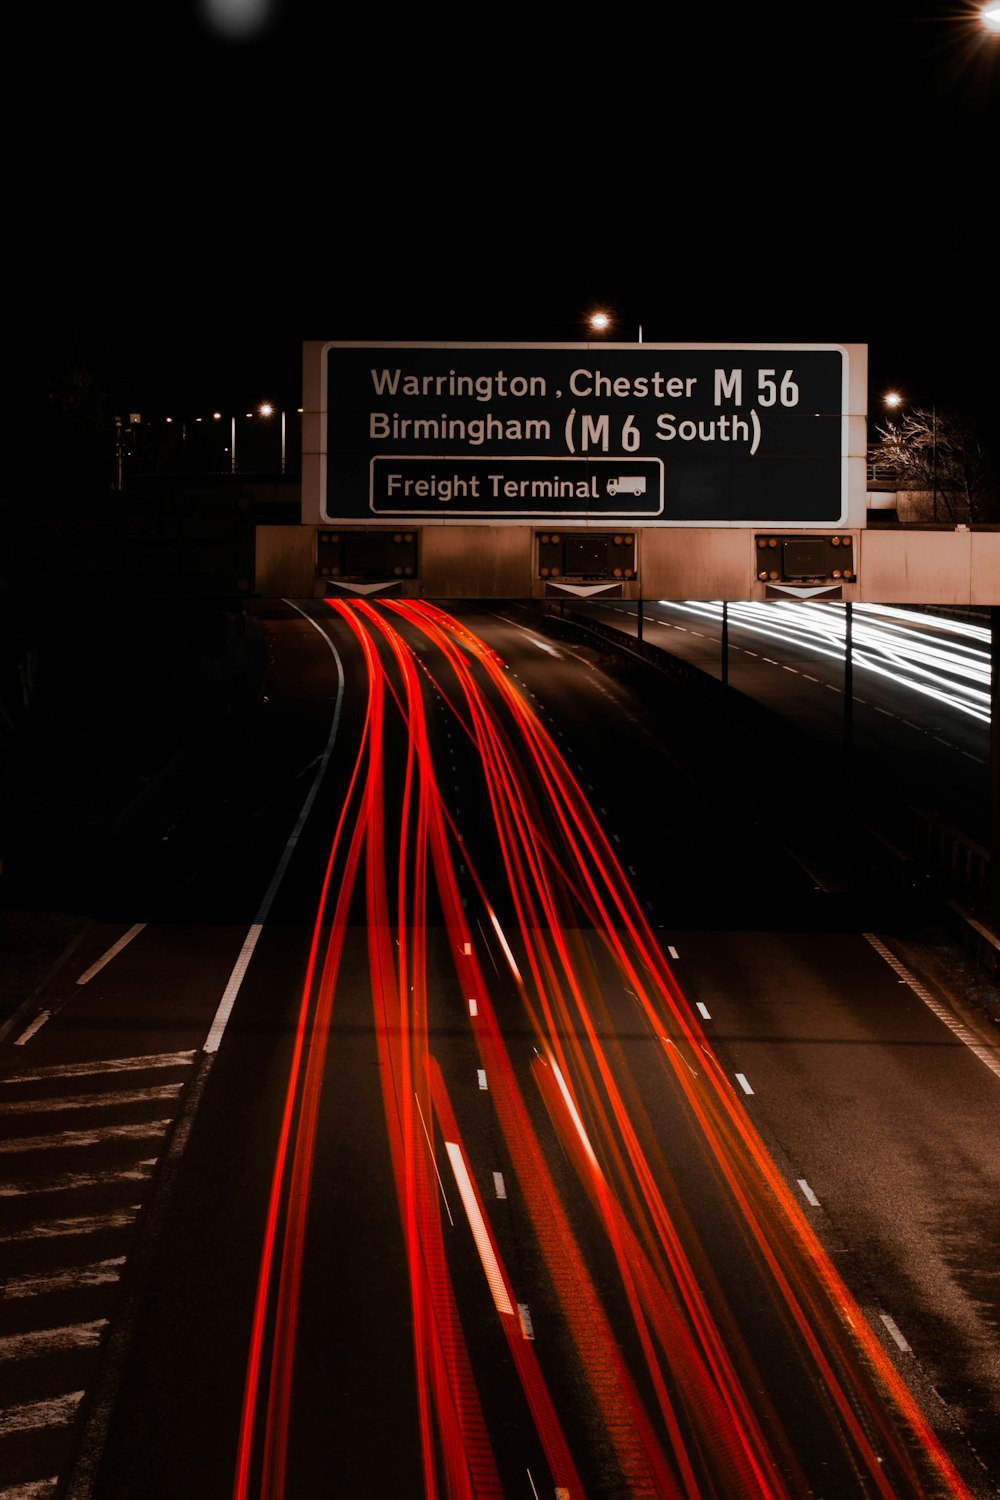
(602, 322)
(266, 409)
(893, 399)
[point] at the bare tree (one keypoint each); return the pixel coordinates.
(942, 453)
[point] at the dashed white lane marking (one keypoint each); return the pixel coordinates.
(741, 1080)
(672, 951)
(499, 1186)
(895, 1334)
(67, 1279)
(51, 1229)
(36, 1025)
(985, 1054)
(102, 1065)
(473, 1008)
(808, 1193)
(524, 1314)
(481, 1075)
(56, 1413)
(111, 953)
(48, 1340)
(67, 1139)
(703, 1011)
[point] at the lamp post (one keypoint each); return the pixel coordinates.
(893, 399)
(267, 410)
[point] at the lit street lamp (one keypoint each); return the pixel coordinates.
(602, 322)
(893, 400)
(267, 410)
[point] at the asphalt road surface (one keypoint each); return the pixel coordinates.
(919, 715)
(487, 1101)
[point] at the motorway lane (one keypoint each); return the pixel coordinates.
(173, 1429)
(939, 756)
(891, 1120)
(120, 1054)
(299, 1466)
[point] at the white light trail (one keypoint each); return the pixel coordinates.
(480, 1233)
(947, 660)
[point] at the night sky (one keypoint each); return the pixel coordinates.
(193, 208)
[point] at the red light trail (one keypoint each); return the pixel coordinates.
(674, 1389)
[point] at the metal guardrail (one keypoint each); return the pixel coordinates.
(959, 864)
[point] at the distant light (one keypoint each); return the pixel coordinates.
(600, 322)
(892, 398)
(266, 409)
(237, 20)
(990, 15)
(216, 416)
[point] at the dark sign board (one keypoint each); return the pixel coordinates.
(652, 434)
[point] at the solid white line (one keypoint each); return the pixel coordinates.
(97, 1273)
(35, 1489)
(115, 949)
(808, 1193)
(479, 1231)
(50, 1340)
(897, 1337)
(985, 1054)
(59, 1412)
(107, 1065)
(36, 1025)
(218, 1027)
(743, 1084)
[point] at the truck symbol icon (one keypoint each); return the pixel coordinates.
(622, 486)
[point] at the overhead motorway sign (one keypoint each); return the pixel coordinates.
(585, 434)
